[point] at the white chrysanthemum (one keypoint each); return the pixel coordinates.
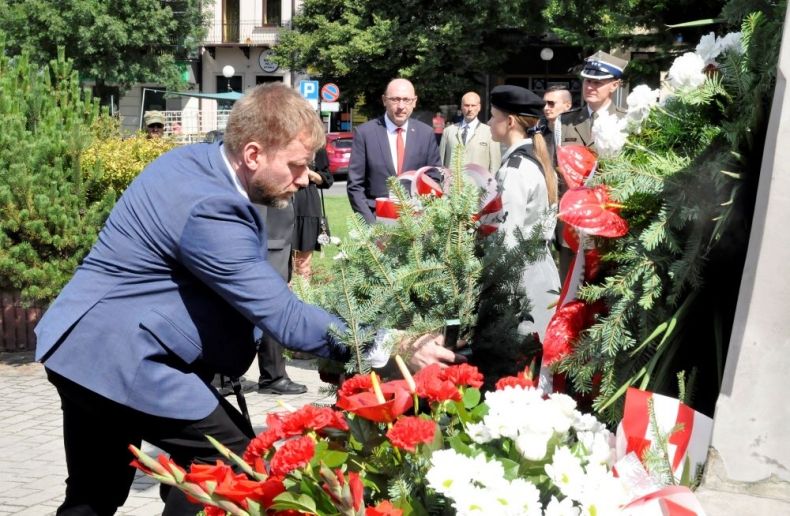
(587, 423)
(597, 447)
(731, 42)
(708, 49)
(450, 471)
(511, 410)
(640, 101)
(602, 493)
(563, 412)
(479, 433)
(521, 498)
(334, 240)
(476, 501)
(533, 445)
(566, 472)
(609, 134)
(561, 508)
(687, 72)
(340, 256)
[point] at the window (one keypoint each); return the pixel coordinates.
(272, 12)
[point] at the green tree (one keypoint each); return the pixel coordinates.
(444, 47)
(116, 43)
(48, 216)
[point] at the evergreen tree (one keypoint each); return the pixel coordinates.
(48, 217)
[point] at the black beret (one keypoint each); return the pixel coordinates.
(517, 100)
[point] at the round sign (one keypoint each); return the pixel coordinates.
(330, 92)
(267, 65)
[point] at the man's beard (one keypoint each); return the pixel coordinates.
(262, 193)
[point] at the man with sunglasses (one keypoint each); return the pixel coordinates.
(388, 146)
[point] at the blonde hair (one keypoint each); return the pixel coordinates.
(541, 154)
(272, 115)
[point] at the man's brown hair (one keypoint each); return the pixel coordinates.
(273, 115)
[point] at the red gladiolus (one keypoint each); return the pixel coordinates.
(408, 432)
(210, 510)
(432, 385)
(201, 473)
(462, 375)
(575, 163)
(590, 210)
(294, 453)
(265, 492)
(237, 488)
(384, 508)
(358, 398)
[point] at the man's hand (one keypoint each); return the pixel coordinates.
(426, 350)
(315, 177)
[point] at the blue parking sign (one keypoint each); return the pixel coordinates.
(309, 90)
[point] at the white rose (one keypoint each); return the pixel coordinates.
(708, 49)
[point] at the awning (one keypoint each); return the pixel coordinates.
(227, 95)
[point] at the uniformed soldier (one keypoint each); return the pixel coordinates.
(601, 76)
(528, 194)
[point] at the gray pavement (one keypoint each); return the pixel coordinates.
(32, 461)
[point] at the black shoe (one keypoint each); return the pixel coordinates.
(281, 386)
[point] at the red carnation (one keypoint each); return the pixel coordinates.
(210, 510)
(355, 384)
(384, 508)
(462, 375)
(408, 432)
(294, 453)
(310, 417)
(260, 445)
(432, 385)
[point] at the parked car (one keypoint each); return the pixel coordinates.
(338, 149)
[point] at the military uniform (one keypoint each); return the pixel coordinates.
(576, 125)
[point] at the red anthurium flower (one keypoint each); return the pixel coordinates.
(408, 432)
(590, 210)
(358, 398)
(294, 453)
(565, 326)
(575, 163)
(384, 508)
(462, 375)
(524, 379)
(432, 385)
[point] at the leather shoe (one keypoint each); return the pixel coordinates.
(281, 386)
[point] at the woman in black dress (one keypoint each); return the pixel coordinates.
(308, 213)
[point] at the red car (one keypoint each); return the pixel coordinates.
(338, 148)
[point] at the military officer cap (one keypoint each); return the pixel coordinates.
(601, 65)
(517, 100)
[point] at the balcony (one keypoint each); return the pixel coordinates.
(242, 33)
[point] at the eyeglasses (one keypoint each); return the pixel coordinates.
(401, 100)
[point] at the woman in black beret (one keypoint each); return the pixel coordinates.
(528, 186)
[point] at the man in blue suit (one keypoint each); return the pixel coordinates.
(176, 289)
(388, 146)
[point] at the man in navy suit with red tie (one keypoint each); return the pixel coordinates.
(176, 289)
(388, 146)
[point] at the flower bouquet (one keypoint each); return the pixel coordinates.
(425, 444)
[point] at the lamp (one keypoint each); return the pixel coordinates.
(546, 54)
(227, 72)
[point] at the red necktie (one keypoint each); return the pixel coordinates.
(400, 148)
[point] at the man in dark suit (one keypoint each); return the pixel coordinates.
(273, 377)
(388, 146)
(176, 289)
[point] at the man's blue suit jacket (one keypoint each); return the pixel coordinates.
(371, 161)
(172, 292)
